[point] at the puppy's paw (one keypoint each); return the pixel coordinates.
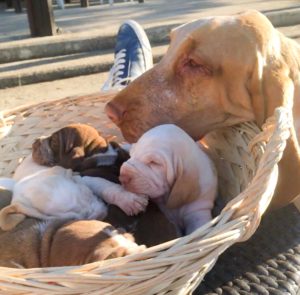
(133, 204)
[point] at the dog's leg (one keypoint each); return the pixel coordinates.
(115, 194)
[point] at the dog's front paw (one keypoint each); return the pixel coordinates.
(133, 204)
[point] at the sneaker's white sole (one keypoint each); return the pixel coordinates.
(139, 31)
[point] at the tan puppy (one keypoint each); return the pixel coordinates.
(218, 72)
(34, 243)
(169, 167)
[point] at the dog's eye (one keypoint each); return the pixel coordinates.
(193, 64)
(196, 66)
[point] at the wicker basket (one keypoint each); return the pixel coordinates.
(246, 159)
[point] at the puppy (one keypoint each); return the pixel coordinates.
(51, 193)
(81, 148)
(168, 166)
(149, 228)
(35, 243)
(106, 165)
(68, 146)
(56, 192)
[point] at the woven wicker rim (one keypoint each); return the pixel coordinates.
(175, 267)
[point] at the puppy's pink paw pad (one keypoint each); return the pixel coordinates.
(133, 204)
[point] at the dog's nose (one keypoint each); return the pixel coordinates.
(114, 112)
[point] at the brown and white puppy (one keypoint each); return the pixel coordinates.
(56, 243)
(217, 72)
(35, 243)
(169, 167)
(81, 148)
(106, 165)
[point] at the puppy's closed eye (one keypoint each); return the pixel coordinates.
(153, 160)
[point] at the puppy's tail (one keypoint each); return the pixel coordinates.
(10, 217)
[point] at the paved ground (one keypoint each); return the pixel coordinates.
(151, 13)
(35, 93)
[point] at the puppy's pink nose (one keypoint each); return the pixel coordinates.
(114, 112)
(124, 179)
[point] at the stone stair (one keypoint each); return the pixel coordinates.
(38, 60)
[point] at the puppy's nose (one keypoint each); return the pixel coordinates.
(124, 179)
(114, 112)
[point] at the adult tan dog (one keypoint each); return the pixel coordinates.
(218, 72)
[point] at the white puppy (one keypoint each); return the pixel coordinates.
(56, 192)
(174, 171)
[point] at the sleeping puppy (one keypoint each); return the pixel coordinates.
(81, 148)
(107, 164)
(55, 192)
(51, 193)
(61, 242)
(149, 228)
(168, 166)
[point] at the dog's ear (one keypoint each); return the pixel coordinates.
(270, 85)
(10, 217)
(186, 188)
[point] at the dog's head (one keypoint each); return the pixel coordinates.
(217, 72)
(42, 152)
(164, 163)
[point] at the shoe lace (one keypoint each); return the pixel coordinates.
(115, 79)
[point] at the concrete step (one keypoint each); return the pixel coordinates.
(71, 43)
(91, 40)
(60, 67)
(48, 69)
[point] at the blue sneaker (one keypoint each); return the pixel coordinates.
(133, 56)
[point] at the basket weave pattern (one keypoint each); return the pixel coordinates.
(246, 160)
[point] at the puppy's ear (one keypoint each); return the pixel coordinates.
(186, 188)
(10, 218)
(65, 142)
